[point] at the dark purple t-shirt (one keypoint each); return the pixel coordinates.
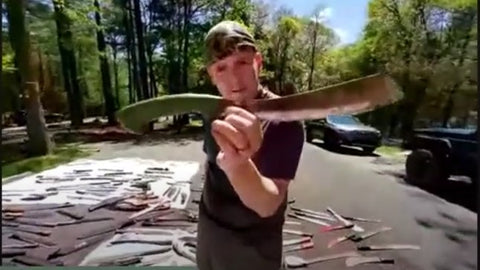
(278, 157)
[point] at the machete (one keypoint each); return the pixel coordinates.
(313, 220)
(387, 247)
(355, 228)
(353, 261)
(358, 237)
(297, 262)
(351, 97)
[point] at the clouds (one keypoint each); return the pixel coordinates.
(342, 34)
(324, 16)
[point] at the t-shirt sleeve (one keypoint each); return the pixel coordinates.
(281, 150)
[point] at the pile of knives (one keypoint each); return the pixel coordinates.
(91, 185)
(329, 221)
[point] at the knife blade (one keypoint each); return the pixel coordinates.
(303, 246)
(387, 247)
(311, 212)
(298, 262)
(360, 237)
(319, 222)
(299, 233)
(340, 239)
(290, 242)
(353, 261)
(309, 215)
(69, 250)
(355, 228)
(351, 97)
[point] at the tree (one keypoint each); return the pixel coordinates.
(69, 63)
(104, 68)
(39, 142)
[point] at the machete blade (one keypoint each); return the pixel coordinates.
(351, 97)
(354, 261)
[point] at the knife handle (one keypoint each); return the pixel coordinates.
(387, 261)
(363, 248)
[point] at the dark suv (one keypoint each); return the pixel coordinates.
(338, 130)
(438, 153)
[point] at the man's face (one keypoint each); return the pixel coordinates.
(236, 76)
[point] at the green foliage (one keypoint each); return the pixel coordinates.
(421, 43)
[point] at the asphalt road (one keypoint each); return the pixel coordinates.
(355, 185)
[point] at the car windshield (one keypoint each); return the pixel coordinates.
(343, 120)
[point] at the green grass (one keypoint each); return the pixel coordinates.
(389, 150)
(60, 155)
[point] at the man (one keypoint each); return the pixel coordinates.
(249, 163)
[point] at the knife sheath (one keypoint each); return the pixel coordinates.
(32, 261)
(76, 247)
(34, 231)
(70, 214)
(21, 209)
(34, 223)
(8, 253)
(86, 220)
(33, 239)
(106, 229)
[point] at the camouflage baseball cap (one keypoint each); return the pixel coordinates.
(224, 38)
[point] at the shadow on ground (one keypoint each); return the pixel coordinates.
(457, 192)
(345, 150)
(116, 135)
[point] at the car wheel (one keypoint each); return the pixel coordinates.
(423, 169)
(330, 141)
(309, 136)
(369, 150)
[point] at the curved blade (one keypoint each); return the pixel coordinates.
(351, 97)
(353, 261)
(136, 117)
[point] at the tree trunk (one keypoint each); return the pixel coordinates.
(312, 63)
(187, 6)
(69, 65)
(141, 49)
(115, 74)
(39, 142)
(133, 51)
(104, 69)
(153, 81)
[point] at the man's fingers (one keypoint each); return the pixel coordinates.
(223, 143)
(233, 135)
(242, 112)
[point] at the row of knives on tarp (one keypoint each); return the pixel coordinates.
(330, 221)
(22, 223)
(91, 186)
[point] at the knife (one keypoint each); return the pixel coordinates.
(356, 237)
(340, 239)
(311, 212)
(299, 233)
(351, 97)
(309, 215)
(387, 247)
(319, 222)
(353, 261)
(360, 237)
(297, 241)
(355, 228)
(297, 262)
(76, 247)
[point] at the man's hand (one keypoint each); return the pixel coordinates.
(239, 136)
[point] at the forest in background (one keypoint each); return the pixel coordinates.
(90, 58)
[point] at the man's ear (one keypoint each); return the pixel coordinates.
(259, 61)
(211, 74)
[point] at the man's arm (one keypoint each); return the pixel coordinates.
(263, 189)
(261, 194)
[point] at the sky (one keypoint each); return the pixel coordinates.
(346, 17)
